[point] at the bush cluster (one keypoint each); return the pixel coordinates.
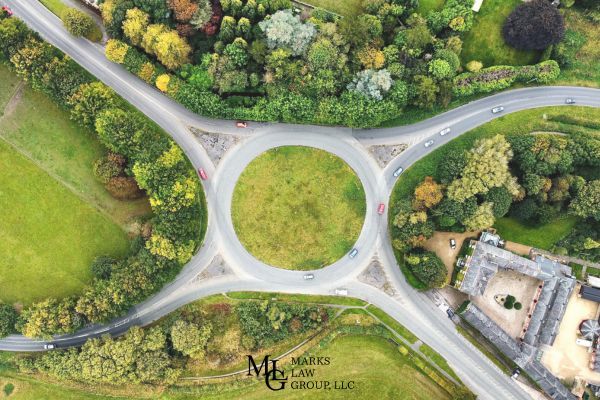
(158, 166)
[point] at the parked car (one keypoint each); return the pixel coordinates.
(308, 277)
(202, 174)
(353, 253)
(341, 292)
(429, 143)
(570, 101)
(381, 209)
(452, 244)
(49, 346)
(241, 124)
(516, 372)
(398, 171)
(450, 313)
(444, 131)
(497, 110)
(7, 10)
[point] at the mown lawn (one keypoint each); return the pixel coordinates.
(48, 236)
(484, 41)
(425, 6)
(298, 208)
(542, 237)
(347, 8)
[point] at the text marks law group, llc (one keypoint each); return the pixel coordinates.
(304, 374)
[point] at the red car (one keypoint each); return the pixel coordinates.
(202, 174)
(241, 124)
(8, 10)
(381, 209)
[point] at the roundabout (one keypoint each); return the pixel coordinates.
(245, 272)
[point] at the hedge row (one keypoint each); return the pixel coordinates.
(503, 76)
(350, 109)
(157, 163)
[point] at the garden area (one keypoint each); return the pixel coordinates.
(298, 208)
(535, 189)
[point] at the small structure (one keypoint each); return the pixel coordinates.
(590, 293)
(589, 329)
(491, 237)
(593, 281)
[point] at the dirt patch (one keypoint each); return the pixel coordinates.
(566, 359)
(439, 243)
(383, 154)
(518, 248)
(522, 287)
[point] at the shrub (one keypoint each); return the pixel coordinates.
(124, 188)
(474, 66)
(102, 267)
(116, 51)
(509, 302)
(162, 82)
(518, 306)
(533, 25)
(105, 169)
(8, 319)
(371, 84)
(77, 22)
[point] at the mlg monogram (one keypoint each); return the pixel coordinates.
(271, 374)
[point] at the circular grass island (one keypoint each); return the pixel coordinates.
(298, 208)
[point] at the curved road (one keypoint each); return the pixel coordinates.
(410, 308)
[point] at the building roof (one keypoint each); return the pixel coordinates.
(590, 293)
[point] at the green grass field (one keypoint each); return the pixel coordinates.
(298, 208)
(55, 216)
(347, 8)
(484, 41)
(425, 6)
(542, 237)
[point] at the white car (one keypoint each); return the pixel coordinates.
(308, 277)
(429, 143)
(398, 171)
(49, 346)
(444, 131)
(497, 110)
(341, 292)
(570, 101)
(353, 253)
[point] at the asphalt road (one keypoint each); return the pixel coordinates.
(410, 308)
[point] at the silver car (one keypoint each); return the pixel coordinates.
(444, 131)
(308, 277)
(353, 253)
(497, 110)
(429, 143)
(398, 171)
(570, 101)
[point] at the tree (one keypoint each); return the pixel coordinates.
(8, 319)
(410, 228)
(113, 15)
(455, 161)
(427, 194)
(116, 51)
(13, 34)
(587, 202)
(102, 267)
(440, 69)
(474, 66)
(323, 54)
(202, 14)
(428, 268)
(184, 10)
(90, 100)
(190, 339)
(533, 25)
(77, 22)
(172, 50)
(487, 167)
(482, 219)
(108, 167)
(501, 200)
(285, 30)
(371, 84)
(135, 25)
(371, 58)
(425, 91)
(124, 188)
(525, 210)
(31, 61)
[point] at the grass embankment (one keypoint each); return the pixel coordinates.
(298, 208)
(298, 298)
(484, 41)
(547, 119)
(57, 7)
(56, 216)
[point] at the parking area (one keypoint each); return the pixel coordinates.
(566, 359)
(439, 243)
(522, 287)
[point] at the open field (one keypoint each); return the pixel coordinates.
(298, 208)
(484, 41)
(542, 236)
(48, 236)
(347, 8)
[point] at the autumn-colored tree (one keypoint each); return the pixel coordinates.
(427, 194)
(135, 25)
(184, 10)
(124, 188)
(371, 58)
(116, 51)
(90, 100)
(162, 82)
